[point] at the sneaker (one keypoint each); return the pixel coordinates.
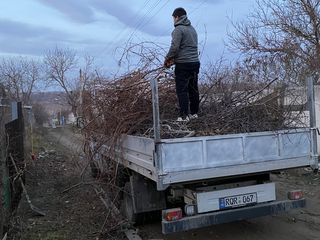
(183, 119)
(193, 116)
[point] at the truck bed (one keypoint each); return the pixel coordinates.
(182, 160)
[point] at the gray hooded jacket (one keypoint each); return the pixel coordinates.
(184, 44)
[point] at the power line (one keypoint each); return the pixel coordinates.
(109, 47)
(137, 13)
(141, 25)
(157, 11)
(142, 19)
(197, 7)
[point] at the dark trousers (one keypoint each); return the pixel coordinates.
(187, 87)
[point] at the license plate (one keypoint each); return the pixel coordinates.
(238, 200)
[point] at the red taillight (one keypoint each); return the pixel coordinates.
(172, 214)
(295, 195)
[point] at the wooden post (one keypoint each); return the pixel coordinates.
(1, 175)
(2, 169)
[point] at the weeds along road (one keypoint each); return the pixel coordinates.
(79, 214)
(72, 213)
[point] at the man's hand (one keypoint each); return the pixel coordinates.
(168, 63)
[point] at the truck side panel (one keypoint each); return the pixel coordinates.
(182, 160)
(238, 149)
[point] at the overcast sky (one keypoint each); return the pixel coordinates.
(97, 27)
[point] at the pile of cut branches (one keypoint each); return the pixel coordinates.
(124, 106)
(233, 99)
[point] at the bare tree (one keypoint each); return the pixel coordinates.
(62, 68)
(86, 75)
(288, 30)
(19, 77)
(59, 65)
(32, 76)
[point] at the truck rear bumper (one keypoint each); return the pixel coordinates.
(204, 220)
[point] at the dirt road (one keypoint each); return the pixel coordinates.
(78, 213)
(73, 210)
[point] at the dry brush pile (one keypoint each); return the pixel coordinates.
(124, 106)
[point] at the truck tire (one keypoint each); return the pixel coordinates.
(127, 206)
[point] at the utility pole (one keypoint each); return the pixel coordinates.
(81, 91)
(312, 119)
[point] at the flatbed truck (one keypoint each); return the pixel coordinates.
(200, 181)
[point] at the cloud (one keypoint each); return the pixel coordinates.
(38, 47)
(84, 11)
(21, 47)
(76, 10)
(125, 14)
(22, 38)
(23, 30)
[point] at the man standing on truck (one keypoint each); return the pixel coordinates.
(184, 54)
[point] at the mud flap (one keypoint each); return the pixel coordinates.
(145, 197)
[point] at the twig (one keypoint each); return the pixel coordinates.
(113, 211)
(77, 185)
(72, 187)
(5, 236)
(107, 202)
(34, 208)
